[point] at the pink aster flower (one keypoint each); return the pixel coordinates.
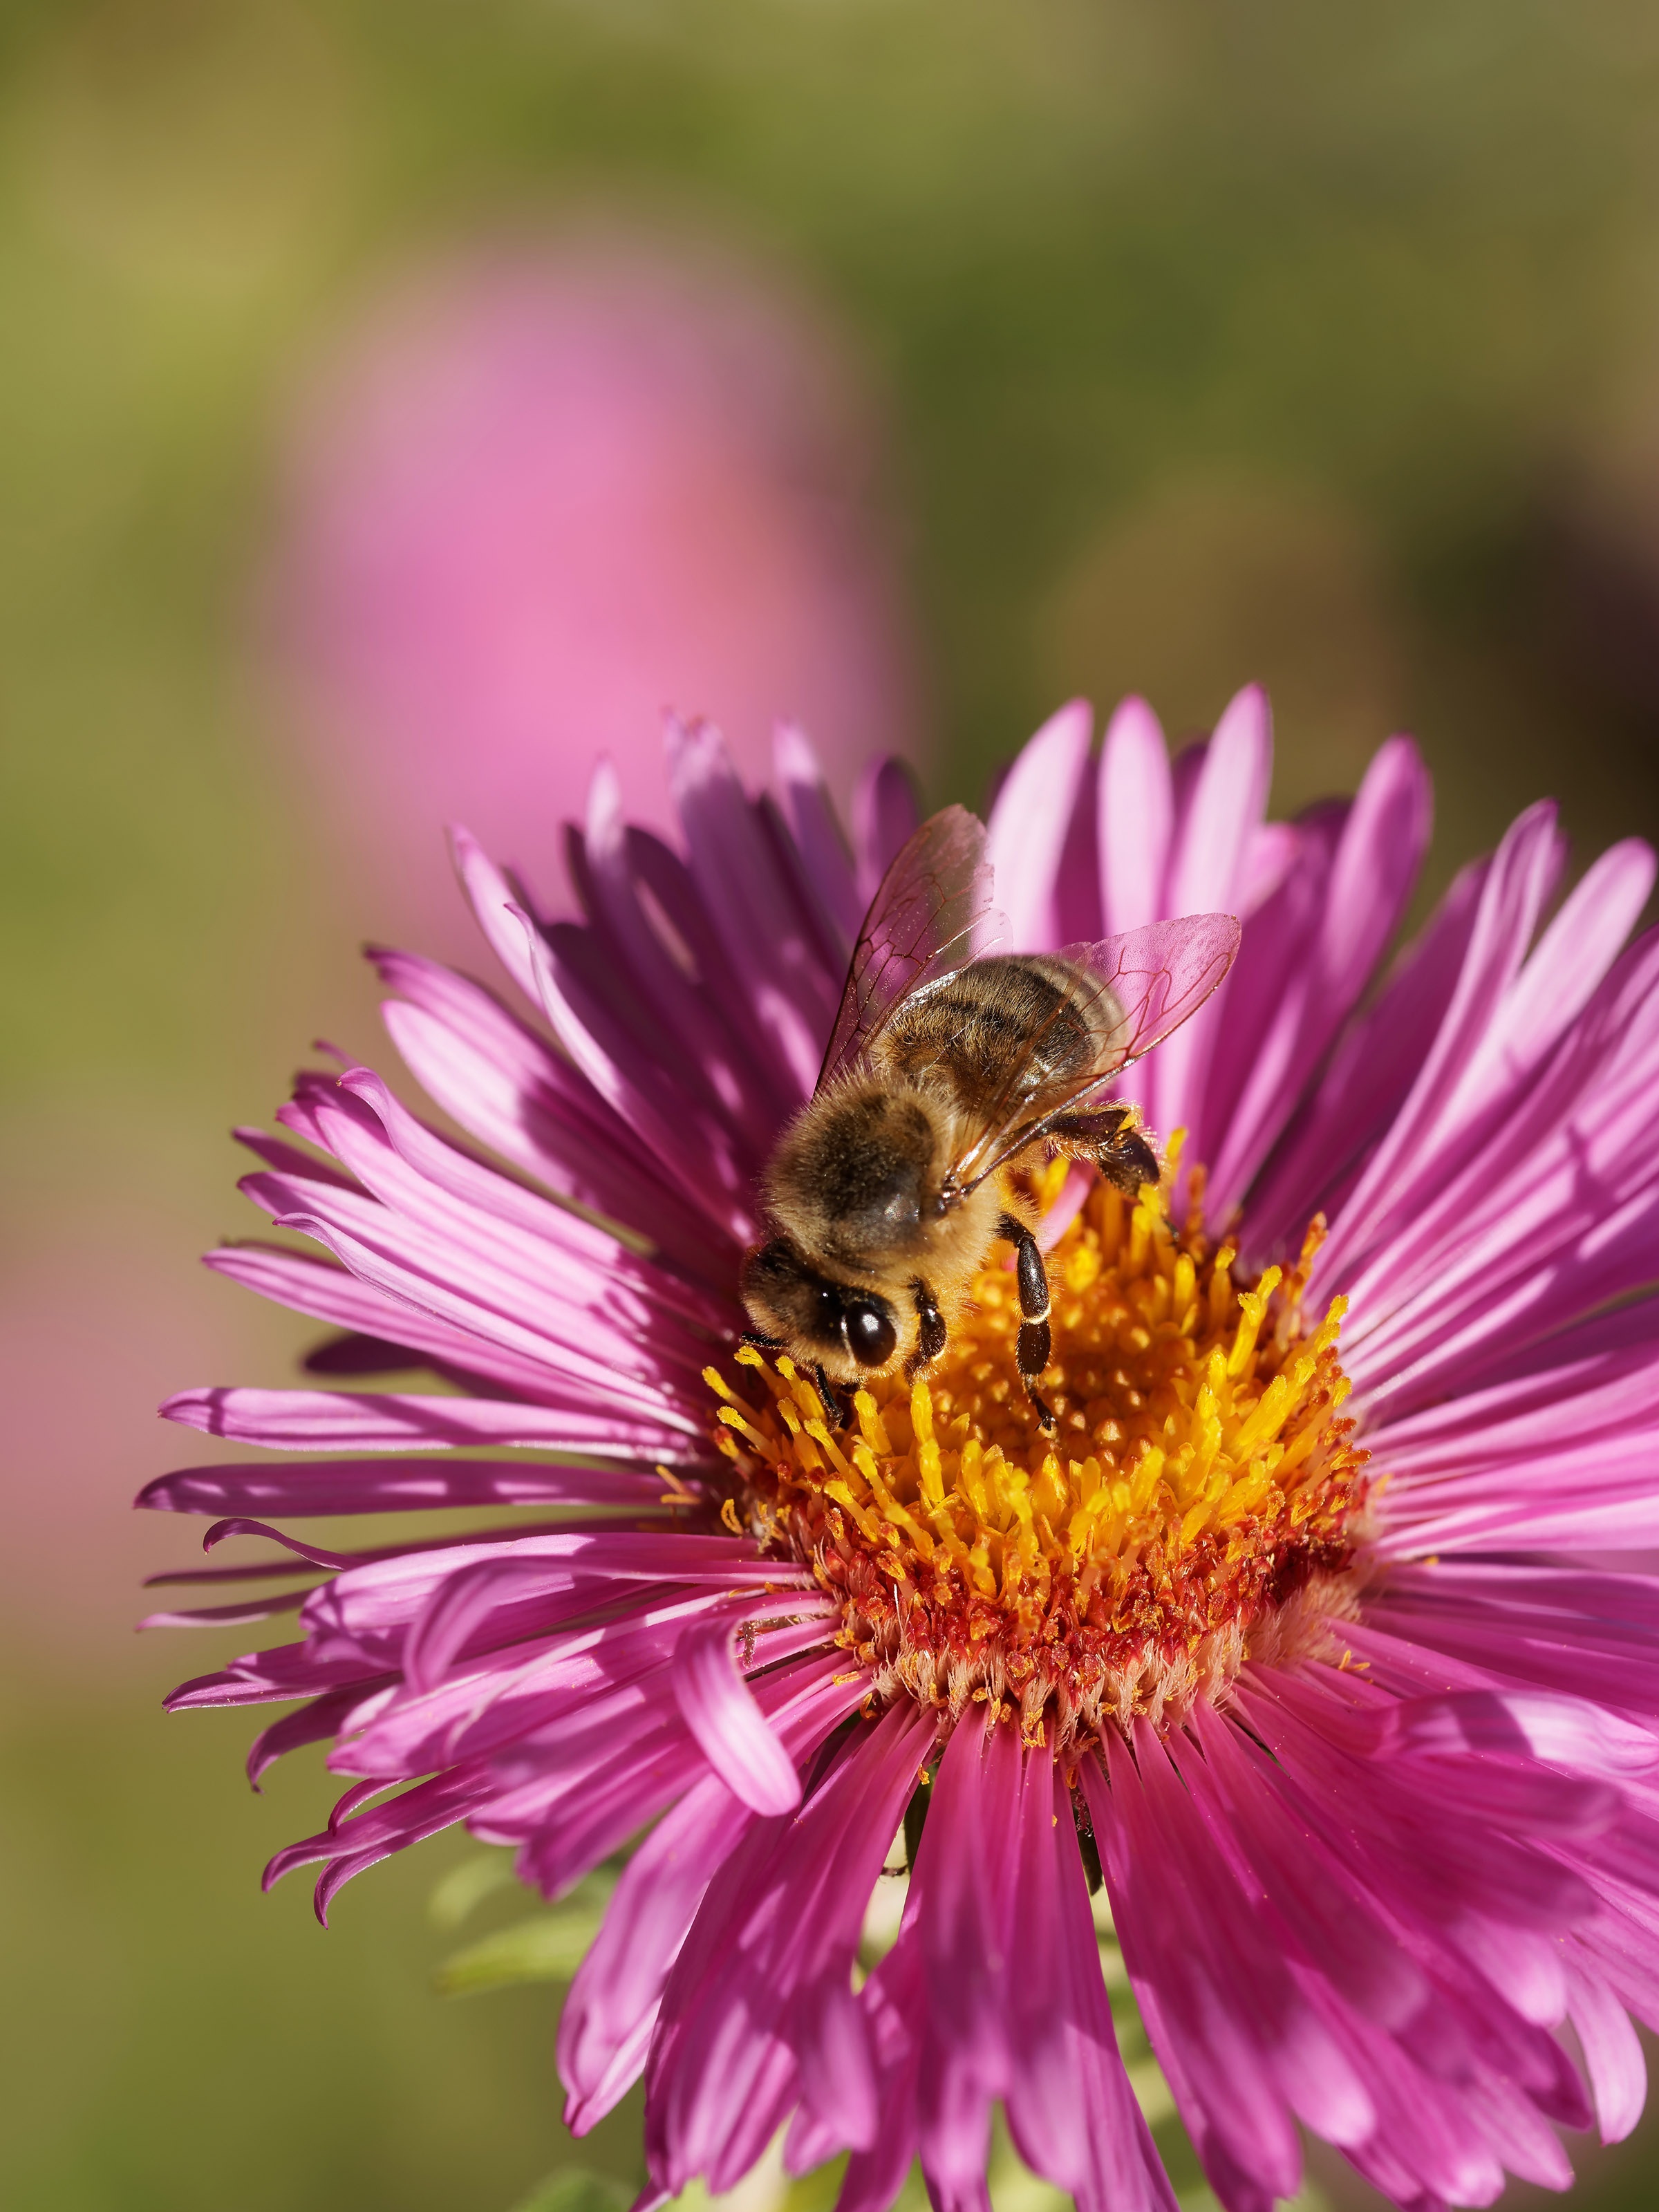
(1300, 1633)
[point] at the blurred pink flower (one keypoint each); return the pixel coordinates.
(545, 494)
(82, 1295)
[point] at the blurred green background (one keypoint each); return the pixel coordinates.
(1308, 341)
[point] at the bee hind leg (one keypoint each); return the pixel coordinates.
(1035, 1337)
(1109, 1140)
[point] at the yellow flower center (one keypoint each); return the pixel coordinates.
(1195, 1506)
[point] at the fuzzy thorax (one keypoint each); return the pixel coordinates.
(1196, 1505)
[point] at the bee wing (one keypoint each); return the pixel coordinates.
(1148, 981)
(921, 925)
(1157, 976)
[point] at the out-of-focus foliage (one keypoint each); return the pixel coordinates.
(1310, 342)
(576, 2189)
(546, 1946)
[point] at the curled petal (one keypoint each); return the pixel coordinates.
(728, 1724)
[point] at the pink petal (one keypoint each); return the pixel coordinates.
(689, 1149)
(1030, 823)
(1522, 872)
(1372, 871)
(493, 901)
(1205, 2021)
(320, 1487)
(510, 1090)
(780, 971)
(1370, 1075)
(759, 2012)
(331, 1420)
(885, 816)
(1136, 815)
(331, 1294)
(721, 1713)
(826, 864)
(1072, 2114)
(605, 2026)
(1612, 2053)
(1206, 874)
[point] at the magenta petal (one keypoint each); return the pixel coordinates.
(826, 864)
(1329, 959)
(511, 1091)
(391, 1486)
(313, 1723)
(1523, 873)
(893, 2001)
(1136, 817)
(604, 2027)
(1027, 831)
(675, 971)
(1211, 2023)
(537, 1682)
(758, 2013)
(1228, 799)
(1612, 2053)
(723, 1715)
(964, 1875)
(1371, 1071)
(689, 1148)
(330, 1293)
(1207, 870)
(539, 1242)
(780, 971)
(1259, 1064)
(1073, 2116)
(568, 1811)
(332, 1420)
(884, 817)
(349, 1845)
(1322, 1907)
(494, 901)
(1574, 952)
(1424, 1864)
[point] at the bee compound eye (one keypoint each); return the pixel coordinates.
(870, 1337)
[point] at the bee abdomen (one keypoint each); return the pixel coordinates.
(996, 1020)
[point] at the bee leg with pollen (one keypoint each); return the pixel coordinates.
(1111, 1142)
(1036, 1339)
(931, 1333)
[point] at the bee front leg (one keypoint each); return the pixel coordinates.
(836, 1410)
(1035, 1337)
(931, 1331)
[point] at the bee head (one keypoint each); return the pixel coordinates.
(836, 1325)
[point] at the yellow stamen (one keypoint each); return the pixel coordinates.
(1199, 1481)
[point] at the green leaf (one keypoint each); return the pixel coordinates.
(466, 1885)
(578, 2189)
(549, 1947)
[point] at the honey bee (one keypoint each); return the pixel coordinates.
(947, 1072)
